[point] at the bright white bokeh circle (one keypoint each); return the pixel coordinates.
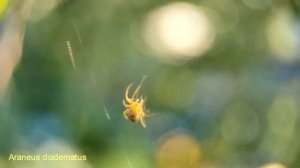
(178, 30)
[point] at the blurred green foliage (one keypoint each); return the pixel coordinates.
(232, 100)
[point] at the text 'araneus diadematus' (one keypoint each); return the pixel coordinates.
(135, 106)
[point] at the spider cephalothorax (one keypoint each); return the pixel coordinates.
(135, 106)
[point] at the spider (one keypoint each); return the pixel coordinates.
(135, 106)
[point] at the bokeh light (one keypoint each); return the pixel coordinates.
(179, 31)
(282, 115)
(60, 147)
(178, 151)
(214, 90)
(273, 165)
(283, 35)
(278, 141)
(240, 124)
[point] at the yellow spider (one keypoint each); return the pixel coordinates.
(135, 107)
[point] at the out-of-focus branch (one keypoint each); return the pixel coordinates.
(11, 41)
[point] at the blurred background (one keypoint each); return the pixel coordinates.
(223, 80)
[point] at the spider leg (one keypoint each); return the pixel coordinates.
(142, 101)
(138, 100)
(124, 103)
(125, 114)
(143, 122)
(139, 87)
(126, 93)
